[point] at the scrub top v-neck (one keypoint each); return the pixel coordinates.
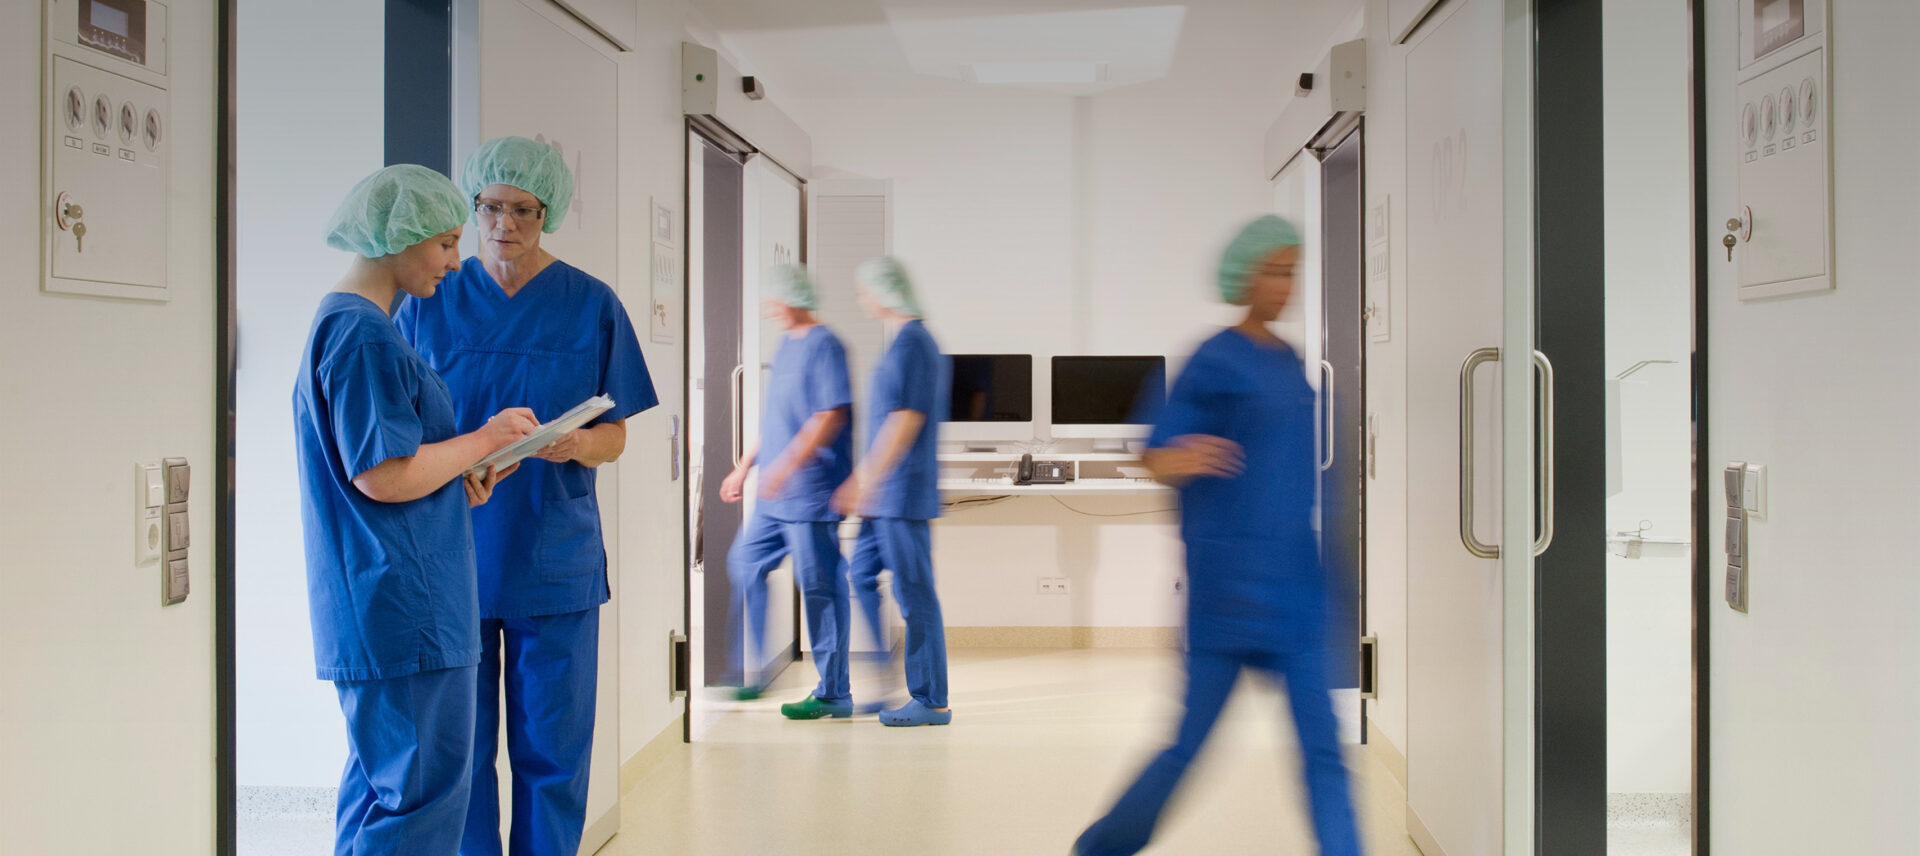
(561, 339)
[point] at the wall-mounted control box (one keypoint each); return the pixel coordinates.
(177, 531)
(1781, 237)
(1739, 559)
(105, 148)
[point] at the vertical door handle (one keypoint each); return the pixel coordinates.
(1467, 536)
(1544, 367)
(1326, 388)
(739, 392)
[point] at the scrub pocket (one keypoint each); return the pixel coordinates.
(569, 545)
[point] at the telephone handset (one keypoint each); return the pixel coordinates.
(1024, 473)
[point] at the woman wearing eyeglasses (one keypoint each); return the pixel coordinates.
(516, 324)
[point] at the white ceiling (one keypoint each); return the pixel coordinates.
(1242, 49)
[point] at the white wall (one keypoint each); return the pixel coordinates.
(290, 728)
(1052, 225)
(1649, 316)
(290, 732)
(1814, 691)
(106, 697)
(1386, 173)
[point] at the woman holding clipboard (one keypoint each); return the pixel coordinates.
(516, 324)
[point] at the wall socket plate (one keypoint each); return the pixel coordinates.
(149, 503)
(1056, 585)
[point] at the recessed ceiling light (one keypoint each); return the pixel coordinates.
(1037, 72)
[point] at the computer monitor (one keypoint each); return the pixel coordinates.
(992, 399)
(1107, 398)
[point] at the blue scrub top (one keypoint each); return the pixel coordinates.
(390, 586)
(809, 376)
(1254, 572)
(912, 375)
(561, 339)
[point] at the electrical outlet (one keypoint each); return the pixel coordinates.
(1055, 585)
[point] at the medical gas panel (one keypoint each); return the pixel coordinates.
(105, 151)
(1781, 238)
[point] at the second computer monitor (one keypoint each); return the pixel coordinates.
(1107, 398)
(992, 399)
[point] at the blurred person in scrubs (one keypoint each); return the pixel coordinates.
(384, 491)
(1236, 438)
(896, 488)
(516, 324)
(804, 451)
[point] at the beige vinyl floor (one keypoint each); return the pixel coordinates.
(1041, 741)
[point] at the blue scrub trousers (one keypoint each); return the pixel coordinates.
(551, 665)
(818, 566)
(1210, 678)
(906, 548)
(409, 746)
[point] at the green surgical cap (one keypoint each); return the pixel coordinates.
(395, 208)
(887, 281)
(789, 284)
(1259, 239)
(530, 165)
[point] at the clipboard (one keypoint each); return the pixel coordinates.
(580, 415)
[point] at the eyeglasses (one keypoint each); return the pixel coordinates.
(524, 214)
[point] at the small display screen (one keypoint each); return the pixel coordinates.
(992, 388)
(1108, 390)
(107, 18)
(1777, 23)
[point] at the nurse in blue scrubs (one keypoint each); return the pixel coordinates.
(516, 324)
(1237, 440)
(805, 450)
(383, 502)
(896, 488)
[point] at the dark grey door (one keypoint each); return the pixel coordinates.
(1342, 461)
(721, 235)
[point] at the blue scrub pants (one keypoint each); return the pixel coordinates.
(409, 746)
(758, 551)
(906, 548)
(551, 665)
(1210, 678)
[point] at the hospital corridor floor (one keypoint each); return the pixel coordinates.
(1042, 741)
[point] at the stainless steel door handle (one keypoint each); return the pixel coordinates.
(1467, 536)
(738, 385)
(1546, 487)
(1326, 371)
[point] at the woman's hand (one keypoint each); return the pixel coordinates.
(507, 426)
(1191, 456)
(562, 450)
(735, 485)
(480, 486)
(849, 498)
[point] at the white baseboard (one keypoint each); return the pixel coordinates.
(1390, 755)
(1422, 838)
(601, 831)
(669, 740)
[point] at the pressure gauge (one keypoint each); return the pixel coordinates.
(1809, 96)
(1749, 124)
(76, 109)
(102, 116)
(129, 122)
(1769, 120)
(1789, 110)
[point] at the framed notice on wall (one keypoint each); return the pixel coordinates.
(663, 310)
(1379, 274)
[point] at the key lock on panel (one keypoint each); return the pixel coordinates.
(1543, 372)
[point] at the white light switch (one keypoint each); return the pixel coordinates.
(1753, 490)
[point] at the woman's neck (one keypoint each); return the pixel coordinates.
(370, 280)
(514, 275)
(1256, 329)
